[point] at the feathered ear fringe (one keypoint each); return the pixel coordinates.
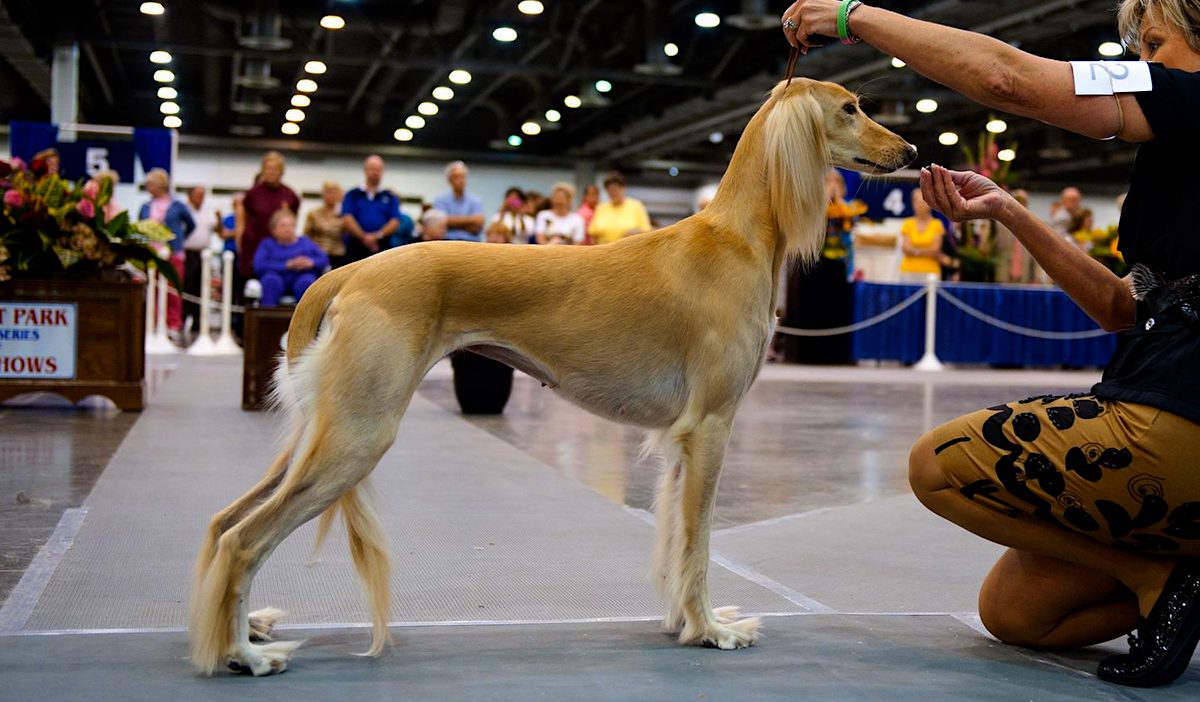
(797, 158)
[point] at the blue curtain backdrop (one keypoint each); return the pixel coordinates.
(963, 339)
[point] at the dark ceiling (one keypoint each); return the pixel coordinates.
(391, 54)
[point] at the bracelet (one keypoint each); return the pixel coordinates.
(843, 21)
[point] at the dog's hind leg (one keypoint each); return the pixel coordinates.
(702, 449)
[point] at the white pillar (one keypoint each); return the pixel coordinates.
(204, 345)
(225, 343)
(160, 342)
(64, 86)
(930, 362)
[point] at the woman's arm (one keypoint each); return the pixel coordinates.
(984, 69)
(1098, 292)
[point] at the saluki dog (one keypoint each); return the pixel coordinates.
(665, 331)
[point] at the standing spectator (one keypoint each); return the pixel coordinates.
(174, 215)
(1066, 212)
(433, 224)
(922, 246)
(194, 247)
(620, 217)
(559, 225)
(372, 215)
(46, 158)
(285, 263)
(511, 224)
(591, 200)
(464, 212)
(268, 196)
(325, 224)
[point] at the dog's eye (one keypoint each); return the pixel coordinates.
(850, 108)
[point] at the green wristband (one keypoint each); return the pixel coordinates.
(843, 21)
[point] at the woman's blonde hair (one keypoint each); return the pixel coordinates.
(564, 187)
(1184, 15)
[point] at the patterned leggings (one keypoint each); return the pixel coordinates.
(1124, 474)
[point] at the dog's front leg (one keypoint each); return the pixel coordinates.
(702, 452)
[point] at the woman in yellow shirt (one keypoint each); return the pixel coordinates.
(922, 241)
(620, 217)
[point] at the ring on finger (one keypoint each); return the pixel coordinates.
(789, 23)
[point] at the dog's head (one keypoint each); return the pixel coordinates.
(810, 126)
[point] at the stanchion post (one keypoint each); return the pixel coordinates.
(204, 345)
(929, 361)
(225, 342)
(160, 342)
(150, 300)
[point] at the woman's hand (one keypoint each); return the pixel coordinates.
(963, 195)
(811, 17)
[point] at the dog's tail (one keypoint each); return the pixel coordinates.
(368, 548)
(310, 311)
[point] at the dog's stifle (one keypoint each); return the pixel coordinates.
(674, 352)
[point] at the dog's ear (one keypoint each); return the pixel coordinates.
(797, 158)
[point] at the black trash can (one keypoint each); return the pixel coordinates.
(481, 385)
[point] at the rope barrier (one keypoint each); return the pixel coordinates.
(857, 326)
(1015, 329)
(212, 304)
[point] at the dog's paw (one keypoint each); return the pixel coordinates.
(726, 633)
(267, 659)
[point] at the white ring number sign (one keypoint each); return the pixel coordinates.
(1109, 77)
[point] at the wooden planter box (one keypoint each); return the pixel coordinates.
(110, 338)
(261, 342)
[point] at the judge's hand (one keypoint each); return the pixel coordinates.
(962, 195)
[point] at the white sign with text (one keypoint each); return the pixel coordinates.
(1109, 77)
(37, 340)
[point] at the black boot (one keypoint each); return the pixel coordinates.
(1166, 639)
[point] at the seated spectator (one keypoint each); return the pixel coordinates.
(559, 225)
(511, 224)
(324, 225)
(434, 224)
(285, 263)
(620, 217)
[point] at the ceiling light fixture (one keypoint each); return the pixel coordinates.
(167, 93)
(315, 67)
(707, 20)
(428, 109)
(673, 171)
(152, 8)
(290, 128)
(531, 7)
(927, 105)
(333, 22)
(1006, 155)
(997, 126)
(169, 108)
(460, 77)
(603, 86)
(294, 115)
(897, 63)
(163, 76)
(403, 134)
(553, 115)
(414, 122)
(306, 85)
(716, 137)
(515, 140)
(671, 49)
(947, 138)
(160, 57)
(1111, 48)
(504, 34)
(172, 122)
(572, 101)
(531, 128)
(301, 101)
(443, 93)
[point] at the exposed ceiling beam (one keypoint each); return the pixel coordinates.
(19, 53)
(98, 70)
(368, 75)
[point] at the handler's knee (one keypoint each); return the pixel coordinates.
(925, 476)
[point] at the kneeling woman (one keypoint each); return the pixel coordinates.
(1097, 496)
(286, 264)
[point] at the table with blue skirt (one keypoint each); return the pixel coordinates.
(963, 338)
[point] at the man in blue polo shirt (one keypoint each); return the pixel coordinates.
(372, 215)
(464, 211)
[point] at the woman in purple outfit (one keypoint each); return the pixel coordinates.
(285, 263)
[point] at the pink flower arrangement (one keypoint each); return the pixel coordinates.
(91, 190)
(86, 208)
(14, 198)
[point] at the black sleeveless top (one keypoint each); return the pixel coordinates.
(1157, 362)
